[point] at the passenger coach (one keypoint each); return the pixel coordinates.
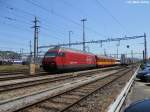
(103, 61)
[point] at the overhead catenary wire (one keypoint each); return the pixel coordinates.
(16, 20)
(44, 26)
(90, 29)
(25, 29)
(61, 16)
(22, 11)
(111, 15)
(53, 12)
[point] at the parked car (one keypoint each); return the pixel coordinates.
(147, 77)
(145, 66)
(144, 74)
(139, 106)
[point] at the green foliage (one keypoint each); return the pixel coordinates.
(142, 65)
(13, 68)
(9, 55)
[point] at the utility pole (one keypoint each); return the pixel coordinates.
(117, 49)
(21, 51)
(83, 21)
(117, 52)
(105, 52)
(30, 45)
(30, 48)
(88, 48)
(143, 56)
(132, 61)
(70, 38)
(36, 28)
(37, 49)
(145, 45)
(118, 44)
(132, 55)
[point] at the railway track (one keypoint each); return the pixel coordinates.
(65, 100)
(21, 75)
(11, 73)
(16, 70)
(32, 82)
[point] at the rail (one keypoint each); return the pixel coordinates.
(30, 99)
(117, 104)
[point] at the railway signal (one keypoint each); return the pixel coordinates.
(106, 40)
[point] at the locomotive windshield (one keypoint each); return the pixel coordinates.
(51, 54)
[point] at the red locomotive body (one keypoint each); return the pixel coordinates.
(67, 59)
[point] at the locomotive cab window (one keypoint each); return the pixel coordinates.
(51, 54)
(62, 54)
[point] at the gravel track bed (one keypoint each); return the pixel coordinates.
(12, 72)
(17, 75)
(21, 76)
(36, 79)
(100, 100)
(36, 88)
(13, 75)
(59, 102)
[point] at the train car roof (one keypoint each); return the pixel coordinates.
(106, 57)
(79, 51)
(70, 49)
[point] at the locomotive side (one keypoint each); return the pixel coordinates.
(67, 59)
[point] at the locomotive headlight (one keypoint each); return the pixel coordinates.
(52, 64)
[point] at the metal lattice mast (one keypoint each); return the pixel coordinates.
(83, 21)
(36, 28)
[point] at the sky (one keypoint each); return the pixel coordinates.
(105, 19)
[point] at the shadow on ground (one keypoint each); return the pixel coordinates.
(148, 84)
(142, 81)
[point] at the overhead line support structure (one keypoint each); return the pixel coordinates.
(70, 38)
(105, 40)
(83, 21)
(145, 46)
(36, 31)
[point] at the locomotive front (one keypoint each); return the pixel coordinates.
(49, 61)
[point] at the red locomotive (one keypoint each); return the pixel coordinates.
(68, 59)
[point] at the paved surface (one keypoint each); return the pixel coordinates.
(140, 91)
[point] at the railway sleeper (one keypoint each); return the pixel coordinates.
(90, 88)
(77, 94)
(61, 105)
(60, 101)
(71, 96)
(87, 90)
(67, 100)
(52, 108)
(51, 105)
